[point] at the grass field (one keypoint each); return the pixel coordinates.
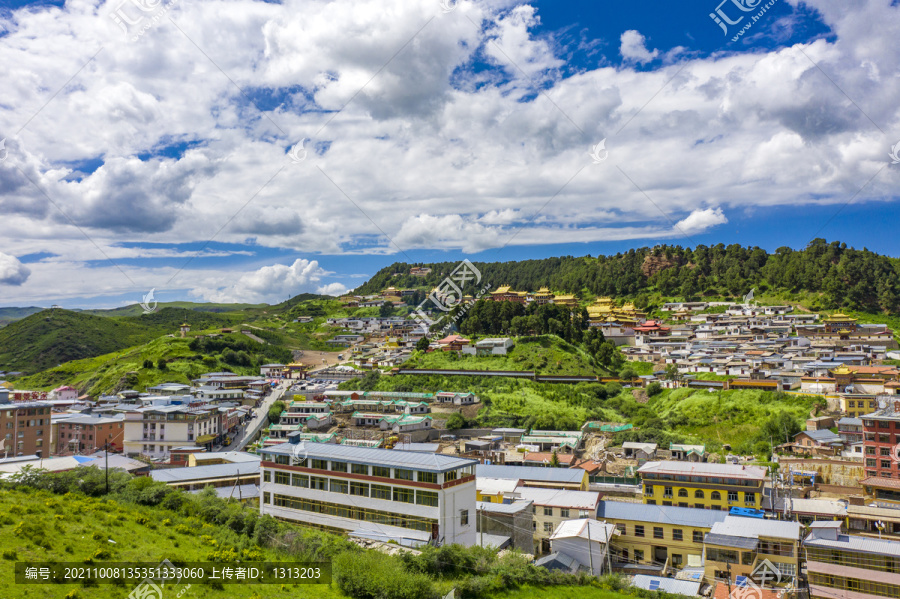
(38, 526)
(680, 415)
(545, 355)
(125, 369)
(562, 593)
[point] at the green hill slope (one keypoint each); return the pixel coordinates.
(52, 337)
(546, 354)
(71, 520)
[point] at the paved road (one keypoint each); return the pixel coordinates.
(251, 428)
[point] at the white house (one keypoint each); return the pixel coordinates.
(64, 393)
(494, 346)
(271, 370)
(457, 399)
(585, 540)
(403, 496)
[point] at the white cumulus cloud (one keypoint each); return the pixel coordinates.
(270, 283)
(332, 289)
(634, 47)
(12, 272)
(699, 221)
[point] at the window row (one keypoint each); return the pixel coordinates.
(869, 587)
(677, 534)
(733, 496)
(348, 487)
(365, 469)
(352, 512)
(882, 563)
(563, 512)
(734, 482)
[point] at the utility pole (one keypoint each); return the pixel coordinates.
(590, 546)
(608, 549)
(106, 457)
(481, 524)
(728, 582)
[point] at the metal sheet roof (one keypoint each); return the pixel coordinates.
(730, 541)
(428, 462)
(704, 469)
(579, 500)
(204, 472)
(739, 526)
(504, 508)
(669, 585)
(683, 516)
(584, 528)
(857, 544)
(529, 473)
(496, 541)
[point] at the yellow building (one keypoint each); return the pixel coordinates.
(768, 551)
(496, 490)
(658, 534)
(565, 300)
(542, 296)
(604, 309)
(702, 485)
(857, 405)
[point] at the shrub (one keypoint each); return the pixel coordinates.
(34, 532)
(371, 575)
(10, 554)
(222, 555)
(654, 389)
(102, 553)
(455, 421)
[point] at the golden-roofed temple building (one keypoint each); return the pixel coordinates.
(604, 310)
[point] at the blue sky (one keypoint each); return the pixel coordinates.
(249, 154)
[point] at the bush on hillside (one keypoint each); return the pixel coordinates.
(373, 575)
(455, 421)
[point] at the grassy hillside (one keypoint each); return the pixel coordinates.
(52, 337)
(66, 517)
(735, 417)
(546, 354)
(138, 367)
(40, 526)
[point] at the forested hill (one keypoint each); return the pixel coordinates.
(833, 275)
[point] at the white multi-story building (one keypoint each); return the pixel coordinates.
(154, 430)
(409, 497)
